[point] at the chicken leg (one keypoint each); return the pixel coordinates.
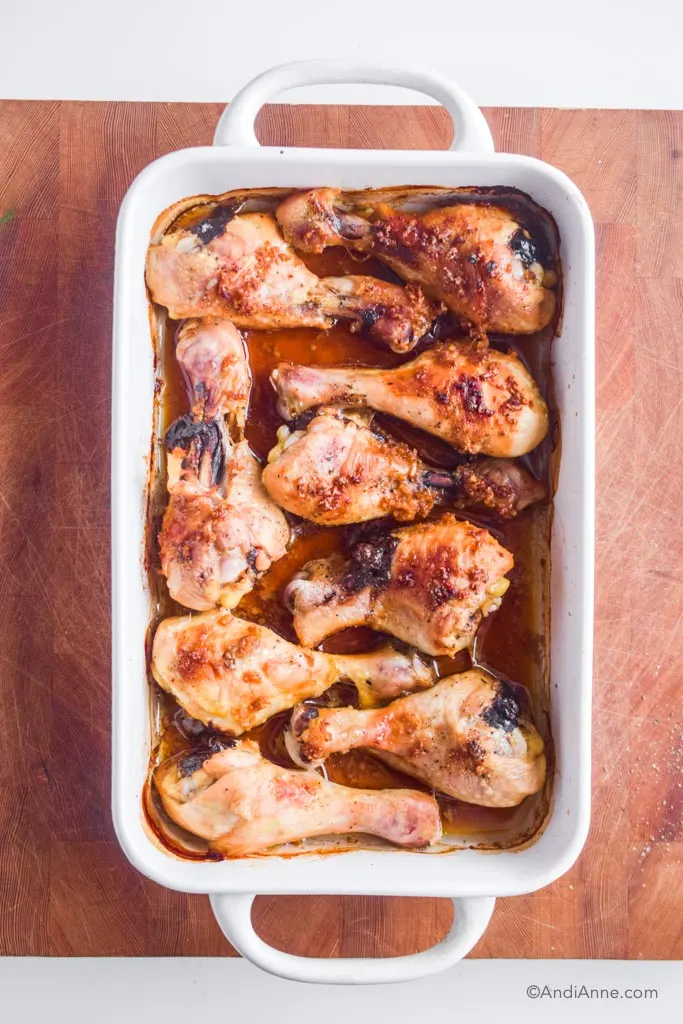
(221, 530)
(480, 401)
(213, 357)
(234, 675)
(475, 257)
(466, 736)
(245, 271)
(429, 584)
(343, 469)
(243, 804)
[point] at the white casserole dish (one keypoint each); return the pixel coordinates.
(472, 879)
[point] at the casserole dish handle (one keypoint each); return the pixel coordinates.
(236, 126)
(471, 916)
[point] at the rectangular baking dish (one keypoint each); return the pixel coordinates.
(471, 878)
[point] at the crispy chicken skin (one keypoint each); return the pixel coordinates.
(244, 271)
(480, 401)
(214, 361)
(339, 471)
(500, 485)
(233, 675)
(243, 804)
(429, 584)
(467, 737)
(475, 257)
(342, 469)
(221, 530)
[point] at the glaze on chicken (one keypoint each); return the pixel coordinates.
(480, 401)
(466, 737)
(475, 257)
(221, 530)
(233, 675)
(244, 804)
(343, 469)
(429, 584)
(243, 270)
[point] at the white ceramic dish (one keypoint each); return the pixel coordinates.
(472, 879)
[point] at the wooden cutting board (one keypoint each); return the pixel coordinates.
(65, 887)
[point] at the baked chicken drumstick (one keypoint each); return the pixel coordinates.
(243, 803)
(480, 401)
(475, 257)
(221, 530)
(343, 469)
(242, 269)
(233, 675)
(429, 584)
(214, 361)
(466, 736)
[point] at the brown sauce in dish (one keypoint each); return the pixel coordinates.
(513, 642)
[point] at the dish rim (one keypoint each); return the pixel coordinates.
(351, 871)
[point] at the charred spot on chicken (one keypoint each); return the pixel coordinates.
(214, 225)
(192, 762)
(199, 438)
(370, 564)
(503, 712)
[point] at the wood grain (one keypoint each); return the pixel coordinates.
(65, 887)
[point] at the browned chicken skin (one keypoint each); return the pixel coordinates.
(233, 675)
(243, 804)
(428, 584)
(214, 360)
(221, 530)
(244, 271)
(480, 401)
(501, 485)
(466, 737)
(343, 469)
(476, 258)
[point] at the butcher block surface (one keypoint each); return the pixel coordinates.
(65, 886)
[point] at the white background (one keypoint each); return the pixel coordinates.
(215, 991)
(572, 53)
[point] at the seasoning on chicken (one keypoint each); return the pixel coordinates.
(500, 485)
(466, 737)
(243, 804)
(233, 675)
(214, 360)
(245, 271)
(480, 401)
(429, 585)
(475, 257)
(221, 530)
(343, 469)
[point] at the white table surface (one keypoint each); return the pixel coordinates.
(579, 53)
(568, 53)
